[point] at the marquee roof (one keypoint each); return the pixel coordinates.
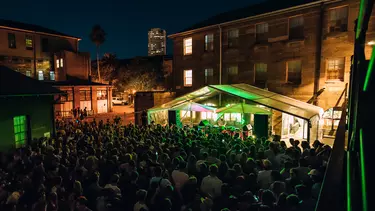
(247, 92)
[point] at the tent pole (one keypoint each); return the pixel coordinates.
(308, 131)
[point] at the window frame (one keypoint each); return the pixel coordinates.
(341, 72)
(52, 73)
(185, 46)
(208, 74)
(264, 33)
(300, 72)
(23, 129)
(297, 27)
(230, 71)
(86, 94)
(29, 37)
(185, 77)
(208, 44)
(12, 35)
(233, 42)
(61, 62)
(335, 26)
(255, 73)
(57, 63)
(39, 74)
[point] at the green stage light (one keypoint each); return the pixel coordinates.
(370, 68)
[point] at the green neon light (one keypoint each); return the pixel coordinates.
(363, 173)
(369, 70)
(360, 18)
(348, 185)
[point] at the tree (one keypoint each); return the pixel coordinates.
(97, 36)
(109, 64)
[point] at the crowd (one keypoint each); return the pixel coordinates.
(104, 166)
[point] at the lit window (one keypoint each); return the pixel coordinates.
(233, 70)
(28, 73)
(20, 130)
(57, 63)
(233, 38)
(52, 75)
(61, 62)
(208, 75)
(29, 42)
(189, 114)
(260, 73)
(203, 115)
(338, 19)
(209, 42)
(294, 71)
(261, 31)
(188, 46)
(40, 75)
(235, 117)
(335, 69)
(188, 77)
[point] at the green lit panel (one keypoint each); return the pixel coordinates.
(369, 70)
(363, 171)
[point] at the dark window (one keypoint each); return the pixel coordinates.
(45, 45)
(233, 36)
(338, 19)
(11, 40)
(261, 32)
(208, 75)
(85, 95)
(29, 42)
(232, 74)
(294, 72)
(209, 42)
(296, 27)
(260, 73)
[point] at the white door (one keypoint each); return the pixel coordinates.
(102, 106)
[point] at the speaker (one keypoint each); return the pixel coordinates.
(260, 125)
(204, 123)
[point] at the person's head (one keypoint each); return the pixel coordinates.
(267, 165)
(291, 141)
(182, 165)
(293, 173)
(204, 156)
(213, 170)
(292, 201)
(315, 175)
(305, 145)
(81, 203)
(268, 198)
(115, 178)
(134, 176)
(277, 188)
(281, 202)
(302, 192)
(296, 143)
(141, 195)
(157, 171)
(222, 158)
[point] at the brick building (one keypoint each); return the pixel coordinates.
(298, 48)
(53, 57)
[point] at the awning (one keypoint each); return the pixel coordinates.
(193, 107)
(256, 95)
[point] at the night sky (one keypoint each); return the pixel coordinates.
(125, 21)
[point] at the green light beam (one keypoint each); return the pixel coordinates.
(370, 68)
(363, 171)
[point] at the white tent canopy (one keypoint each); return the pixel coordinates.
(256, 95)
(244, 109)
(191, 106)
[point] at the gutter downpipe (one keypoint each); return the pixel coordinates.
(318, 55)
(220, 60)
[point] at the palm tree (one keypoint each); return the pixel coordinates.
(97, 36)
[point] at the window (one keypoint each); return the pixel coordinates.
(209, 42)
(208, 75)
(29, 42)
(207, 115)
(57, 63)
(28, 73)
(11, 40)
(338, 19)
(52, 75)
(20, 130)
(45, 45)
(40, 75)
(335, 69)
(233, 38)
(296, 27)
(68, 97)
(260, 73)
(185, 114)
(294, 72)
(261, 32)
(85, 95)
(233, 70)
(188, 46)
(188, 77)
(61, 62)
(101, 94)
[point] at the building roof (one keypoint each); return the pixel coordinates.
(13, 84)
(73, 81)
(249, 11)
(32, 28)
(251, 93)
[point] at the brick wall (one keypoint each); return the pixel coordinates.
(279, 48)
